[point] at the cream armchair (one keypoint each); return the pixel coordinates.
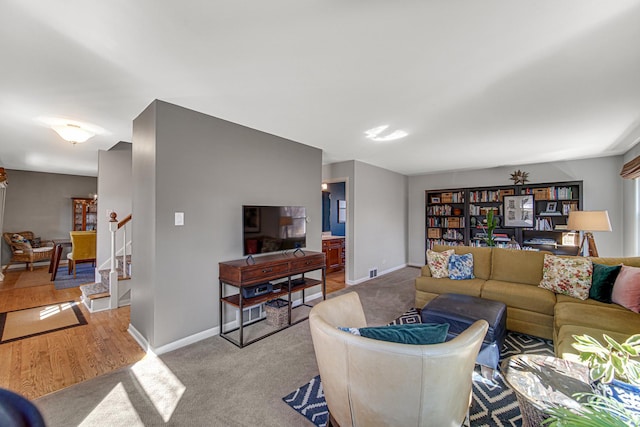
(376, 383)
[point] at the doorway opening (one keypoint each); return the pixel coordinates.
(334, 233)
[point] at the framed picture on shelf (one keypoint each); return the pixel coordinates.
(435, 200)
(551, 206)
(518, 211)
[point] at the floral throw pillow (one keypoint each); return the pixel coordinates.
(568, 276)
(439, 263)
(461, 267)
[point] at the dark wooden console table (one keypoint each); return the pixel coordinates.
(243, 273)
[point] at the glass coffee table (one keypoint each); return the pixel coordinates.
(541, 382)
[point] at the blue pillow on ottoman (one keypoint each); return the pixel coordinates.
(461, 267)
(415, 333)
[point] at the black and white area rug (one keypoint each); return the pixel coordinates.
(493, 404)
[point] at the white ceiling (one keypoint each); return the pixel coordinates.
(475, 83)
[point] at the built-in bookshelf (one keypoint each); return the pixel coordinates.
(536, 216)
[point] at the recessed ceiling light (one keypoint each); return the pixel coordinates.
(375, 134)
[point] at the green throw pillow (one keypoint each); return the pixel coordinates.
(604, 276)
(417, 333)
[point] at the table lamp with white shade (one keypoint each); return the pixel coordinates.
(589, 221)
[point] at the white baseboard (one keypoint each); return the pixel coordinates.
(191, 339)
(380, 273)
(142, 342)
(411, 264)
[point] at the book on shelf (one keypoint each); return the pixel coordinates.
(540, 241)
(550, 193)
(544, 224)
(550, 213)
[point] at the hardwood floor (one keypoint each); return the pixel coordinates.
(43, 364)
(335, 281)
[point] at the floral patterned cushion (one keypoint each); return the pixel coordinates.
(438, 263)
(461, 267)
(568, 276)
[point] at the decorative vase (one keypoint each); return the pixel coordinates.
(625, 393)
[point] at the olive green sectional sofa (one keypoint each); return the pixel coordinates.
(512, 277)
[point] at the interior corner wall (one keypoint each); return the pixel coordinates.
(41, 202)
(631, 188)
(114, 195)
(380, 220)
(206, 168)
(143, 256)
(376, 217)
(602, 190)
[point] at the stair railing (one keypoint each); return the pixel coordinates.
(114, 226)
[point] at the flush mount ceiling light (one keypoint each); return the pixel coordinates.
(375, 134)
(71, 130)
(73, 133)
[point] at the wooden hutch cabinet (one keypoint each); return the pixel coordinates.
(85, 214)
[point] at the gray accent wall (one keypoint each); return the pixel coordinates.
(41, 202)
(602, 190)
(114, 194)
(185, 161)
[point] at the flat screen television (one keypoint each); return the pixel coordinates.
(273, 228)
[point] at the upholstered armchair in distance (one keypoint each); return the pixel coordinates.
(23, 251)
(368, 382)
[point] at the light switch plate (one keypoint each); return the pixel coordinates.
(179, 218)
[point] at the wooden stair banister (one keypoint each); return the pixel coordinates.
(124, 221)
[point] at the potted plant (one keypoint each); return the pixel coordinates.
(616, 377)
(595, 411)
(492, 223)
(613, 363)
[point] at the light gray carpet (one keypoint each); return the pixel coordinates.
(214, 383)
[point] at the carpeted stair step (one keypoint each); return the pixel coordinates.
(104, 274)
(94, 290)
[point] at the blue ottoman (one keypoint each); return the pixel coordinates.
(461, 311)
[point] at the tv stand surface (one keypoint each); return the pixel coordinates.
(238, 274)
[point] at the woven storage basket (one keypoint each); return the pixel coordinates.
(277, 312)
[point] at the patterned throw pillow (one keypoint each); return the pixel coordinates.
(626, 289)
(17, 238)
(568, 276)
(461, 267)
(439, 263)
